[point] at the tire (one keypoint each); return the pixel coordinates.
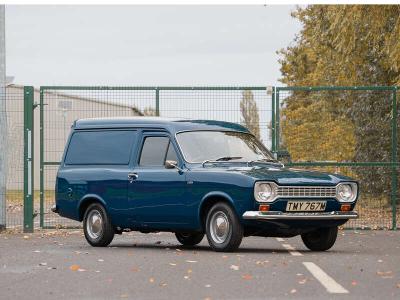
(189, 239)
(228, 236)
(97, 226)
(320, 239)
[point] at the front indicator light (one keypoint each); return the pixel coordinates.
(263, 208)
(345, 207)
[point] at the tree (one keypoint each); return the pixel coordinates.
(249, 110)
(346, 45)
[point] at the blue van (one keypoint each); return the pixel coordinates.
(193, 178)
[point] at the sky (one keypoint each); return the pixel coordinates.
(147, 45)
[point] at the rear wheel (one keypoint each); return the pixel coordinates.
(223, 228)
(97, 226)
(189, 239)
(320, 239)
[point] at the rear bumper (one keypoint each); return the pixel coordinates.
(278, 215)
(54, 209)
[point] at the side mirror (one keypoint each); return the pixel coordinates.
(171, 164)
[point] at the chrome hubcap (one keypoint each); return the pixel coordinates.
(94, 224)
(219, 227)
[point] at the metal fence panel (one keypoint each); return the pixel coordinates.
(348, 130)
(14, 157)
(60, 106)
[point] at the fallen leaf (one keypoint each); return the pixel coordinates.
(123, 296)
(74, 267)
(293, 291)
(163, 284)
(247, 277)
(151, 279)
(36, 251)
(172, 264)
(135, 269)
(234, 267)
(387, 274)
(51, 268)
(191, 261)
(100, 260)
(81, 270)
(178, 250)
(189, 271)
(43, 264)
(354, 282)
(26, 237)
(303, 281)
(186, 277)
(209, 285)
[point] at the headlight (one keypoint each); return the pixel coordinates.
(346, 192)
(264, 191)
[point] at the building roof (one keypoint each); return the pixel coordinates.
(80, 98)
(170, 124)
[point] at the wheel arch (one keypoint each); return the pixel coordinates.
(209, 200)
(88, 200)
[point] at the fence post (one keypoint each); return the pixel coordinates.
(273, 148)
(394, 160)
(157, 102)
(277, 120)
(28, 158)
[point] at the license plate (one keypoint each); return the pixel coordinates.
(306, 206)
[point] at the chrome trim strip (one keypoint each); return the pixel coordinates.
(278, 215)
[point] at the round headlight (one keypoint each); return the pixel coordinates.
(345, 193)
(264, 192)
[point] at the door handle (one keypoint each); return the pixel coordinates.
(69, 192)
(132, 177)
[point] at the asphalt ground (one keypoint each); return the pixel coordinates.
(61, 265)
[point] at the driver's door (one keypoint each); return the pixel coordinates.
(156, 193)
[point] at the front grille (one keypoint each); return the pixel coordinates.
(306, 191)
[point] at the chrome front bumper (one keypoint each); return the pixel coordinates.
(278, 215)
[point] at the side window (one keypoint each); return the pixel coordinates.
(111, 147)
(155, 150)
(171, 154)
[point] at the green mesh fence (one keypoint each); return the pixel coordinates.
(60, 106)
(348, 130)
(14, 156)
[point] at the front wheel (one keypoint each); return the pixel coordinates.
(223, 228)
(97, 226)
(189, 239)
(320, 239)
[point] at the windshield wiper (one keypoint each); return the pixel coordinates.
(221, 159)
(228, 158)
(264, 160)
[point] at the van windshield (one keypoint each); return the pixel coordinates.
(201, 146)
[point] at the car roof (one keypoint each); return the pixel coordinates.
(171, 124)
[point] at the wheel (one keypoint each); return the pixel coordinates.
(223, 229)
(189, 239)
(320, 239)
(97, 226)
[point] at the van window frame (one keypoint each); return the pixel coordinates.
(145, 134)
(133, 146)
